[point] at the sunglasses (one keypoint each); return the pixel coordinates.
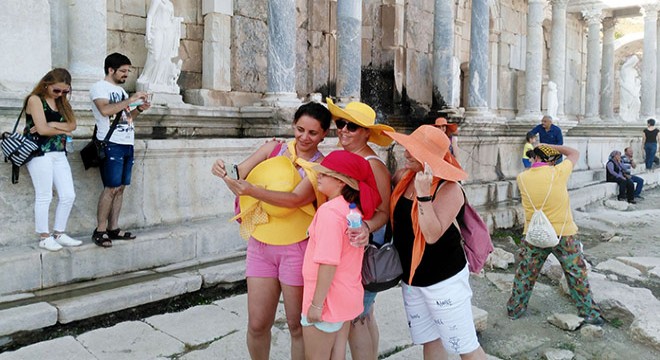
(352, 127)
(60, 91)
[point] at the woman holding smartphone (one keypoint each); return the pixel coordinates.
(276, 247)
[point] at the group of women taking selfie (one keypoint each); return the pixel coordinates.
(292, 203)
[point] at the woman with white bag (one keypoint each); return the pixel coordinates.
(543, 187)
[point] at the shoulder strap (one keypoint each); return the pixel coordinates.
(522, 183)
(112, 127)
(19, 118)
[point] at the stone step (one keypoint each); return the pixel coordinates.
(67, 303)
(29, 268)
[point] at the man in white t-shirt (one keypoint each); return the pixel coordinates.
(109, 102)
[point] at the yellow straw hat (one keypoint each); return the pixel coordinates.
(363, 115)
(284, 226)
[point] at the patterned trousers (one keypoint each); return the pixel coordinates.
(531, 259)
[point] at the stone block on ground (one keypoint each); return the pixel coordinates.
(558, 354)
(592, 331)
(198, 325)
(620, 268)
(616, 204)
(552, 268)
(499, 259)
(103, 302)
(623, 302)
(568, 322)
(646, 330)
(28, 317)
(504, 282)
(641, 263)
(224, 273)
(64, 348)
(131, 340)
(233, 347)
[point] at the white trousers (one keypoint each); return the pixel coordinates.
(46, 171)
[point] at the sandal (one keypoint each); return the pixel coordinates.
(101, 239)
(114, 235)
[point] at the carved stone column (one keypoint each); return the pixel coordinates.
(479, 28)
(281, 89)
(558, 51)
(349, 50)
(87, 42)
(593, 18)
(216, 48)
(607, 71)
(534, 60)
(443, 53)
(649, 61)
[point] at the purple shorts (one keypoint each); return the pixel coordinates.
(283, 262)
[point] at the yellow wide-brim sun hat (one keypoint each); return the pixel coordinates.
(363, 115)
(285, 226)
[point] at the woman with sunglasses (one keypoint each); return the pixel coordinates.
(356, 127)
(50, 119)
(276, 244)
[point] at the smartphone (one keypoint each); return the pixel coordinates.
(232, 171)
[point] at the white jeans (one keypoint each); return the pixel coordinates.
(46, 171)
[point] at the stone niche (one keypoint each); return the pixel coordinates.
(25, 27)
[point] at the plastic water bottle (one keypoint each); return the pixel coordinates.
(354, 217)
(68, 146)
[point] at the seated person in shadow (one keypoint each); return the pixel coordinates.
(615, 174)
(628, 163)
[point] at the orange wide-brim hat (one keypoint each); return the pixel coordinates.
(451, 128)
(363, 115)
(428, 144)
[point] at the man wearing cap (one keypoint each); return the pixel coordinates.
(549, 133)
(544, 187)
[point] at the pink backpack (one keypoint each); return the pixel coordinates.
(476, 237)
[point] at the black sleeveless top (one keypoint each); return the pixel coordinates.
(440, 260)
(47, 143)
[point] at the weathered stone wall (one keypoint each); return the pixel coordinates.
(397, 48)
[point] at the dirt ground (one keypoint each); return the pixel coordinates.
(530, 336)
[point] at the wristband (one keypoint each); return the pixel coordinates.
(138, 109)
(316, 307)
(424, 198)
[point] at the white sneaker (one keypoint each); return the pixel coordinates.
(50, 244)
(66, 240)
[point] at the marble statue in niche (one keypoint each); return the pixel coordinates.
(630, 86)
(163, 34)
(551, 100)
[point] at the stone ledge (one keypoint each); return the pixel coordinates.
(27, 269)
(104, 302)
(28, 317)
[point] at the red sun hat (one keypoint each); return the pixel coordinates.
(353, 169)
